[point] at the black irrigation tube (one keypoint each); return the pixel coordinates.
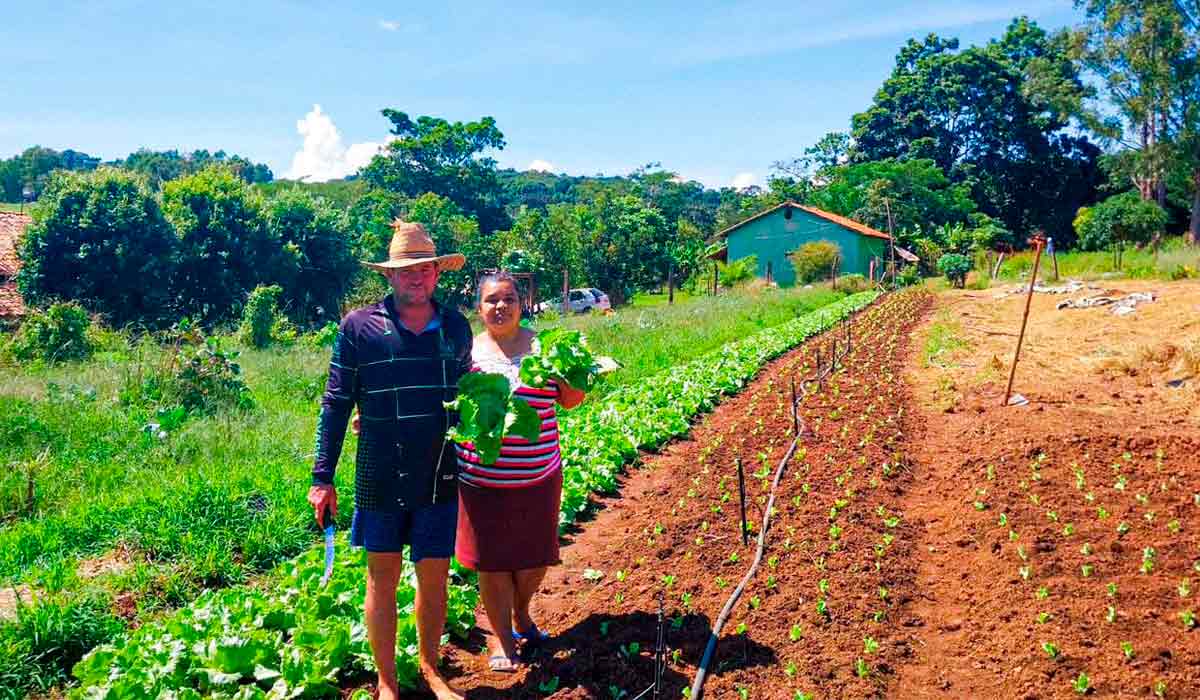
(710, 649)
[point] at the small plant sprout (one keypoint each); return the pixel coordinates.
(592, 575)
(1025, 572)
(1142, 499)
(686, 599)
(721, 583)
(1160, 689)
(773, 561)
(823, 586)
(822, 608)
(1086, 549)
(1044, 617)
(1102, 513)
(743, 692)
(1004, 520)
(1122, 528)
(1082, 684)
(980, 505)
(1042, 593)
(870, 646)
(1021, 552)
(1174, 526)
(629, 650)
(668, 580)
(1111, 616)
(741, 628)
(790, 669)
(1087, 570)
(795, 633)
(861, 669)
(1148, 555)
(1068, 530)
(1121, 482)
(1112, 590)
(883, 593)
(733, 557)
(1052, 516)
(755, 602)
(1051, 649)
(801, 695)
(1189, 619)
(1184, 587)
(1127, 648)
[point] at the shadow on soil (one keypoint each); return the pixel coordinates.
(597, 658)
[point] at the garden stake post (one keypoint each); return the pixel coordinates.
(742, 498)
(795, 413)
(660, 649)
(1038, 240)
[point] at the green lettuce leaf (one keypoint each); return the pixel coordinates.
(487, 411)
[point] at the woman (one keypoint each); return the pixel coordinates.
(508, 511)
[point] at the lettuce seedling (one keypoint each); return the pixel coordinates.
(562, 353)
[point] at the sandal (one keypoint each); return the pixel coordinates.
(534, 635)
(502, 663)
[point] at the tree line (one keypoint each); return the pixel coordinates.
(1088, 134)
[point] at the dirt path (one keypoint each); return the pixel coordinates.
(1102, 413)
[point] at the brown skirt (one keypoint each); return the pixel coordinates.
(509, 529)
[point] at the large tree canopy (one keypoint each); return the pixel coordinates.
(980, 115)
(435, 155)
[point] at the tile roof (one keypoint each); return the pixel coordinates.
(11, 226)
(851, 224)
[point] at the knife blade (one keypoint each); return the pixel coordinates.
(328, 522)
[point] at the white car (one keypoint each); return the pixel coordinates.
(579, 301)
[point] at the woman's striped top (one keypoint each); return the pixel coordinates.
(521, 462)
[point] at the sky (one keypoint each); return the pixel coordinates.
(716, 92)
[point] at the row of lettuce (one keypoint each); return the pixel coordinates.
(294, 638)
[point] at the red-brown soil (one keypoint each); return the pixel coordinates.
(664, 525)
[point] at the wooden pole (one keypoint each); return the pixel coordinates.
(566, 309)
(670, 282)
(714, 284)
(1037, 241)
(891, 239)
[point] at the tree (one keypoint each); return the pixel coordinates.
(164, 166)
(955, 267)
(99, 238)
(627, 249)
(1144, 52)
(225, 246)
(317, 237)
(991, 117)
(1118, 221)
(830, 151)
(434, 155)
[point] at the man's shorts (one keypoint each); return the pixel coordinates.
(428, 531)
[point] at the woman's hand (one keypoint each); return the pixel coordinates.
(568, 396)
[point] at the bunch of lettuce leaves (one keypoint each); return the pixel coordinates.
(488, 411)
(561, 353)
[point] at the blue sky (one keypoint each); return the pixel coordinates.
(716, 92)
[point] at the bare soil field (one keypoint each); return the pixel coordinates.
(928, 542)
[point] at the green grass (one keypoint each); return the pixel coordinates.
(1173, 256)
(5, 206)
(221, 498)
(943, 342)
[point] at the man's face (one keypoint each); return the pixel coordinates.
(413, 284)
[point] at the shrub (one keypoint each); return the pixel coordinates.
(324, 336)
(58, 334)
(207, 379)
(815, 260)
(737, 272)
(929, 252)
(853, 284)
(1119, 220)
(908, 276)
(955, 267)
(99, 238)
(259, 316)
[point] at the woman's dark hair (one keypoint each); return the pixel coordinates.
(492, 278)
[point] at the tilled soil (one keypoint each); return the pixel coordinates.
(837, 536)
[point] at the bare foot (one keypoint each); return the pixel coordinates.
(438, 686)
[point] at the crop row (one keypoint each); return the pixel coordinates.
(291, 638)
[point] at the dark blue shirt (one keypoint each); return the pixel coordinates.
(398, 380)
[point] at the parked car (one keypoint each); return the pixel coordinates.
(579, 301)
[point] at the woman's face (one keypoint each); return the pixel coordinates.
(499, 307)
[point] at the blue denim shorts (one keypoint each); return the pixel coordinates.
(428, 531)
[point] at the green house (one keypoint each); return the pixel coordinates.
(773, 234)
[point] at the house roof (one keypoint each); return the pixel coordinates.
(11, 226)
(851, 224)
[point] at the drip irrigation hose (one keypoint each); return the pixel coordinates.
(710, 649)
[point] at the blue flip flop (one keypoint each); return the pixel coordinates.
(534, 635)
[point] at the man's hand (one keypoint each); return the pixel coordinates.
(355, 424)
(321, 497)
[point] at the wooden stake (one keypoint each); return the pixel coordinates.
(1037, 241)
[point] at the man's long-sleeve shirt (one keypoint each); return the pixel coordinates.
(398, 380)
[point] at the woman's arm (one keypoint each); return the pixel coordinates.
(568, 396)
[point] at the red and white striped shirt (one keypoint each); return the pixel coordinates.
(521, 462)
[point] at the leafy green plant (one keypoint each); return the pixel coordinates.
(488, 411)
(562, 353)
(260, 315)
(1082, 684)
(815, 260)
(58, 334)
(955, 267)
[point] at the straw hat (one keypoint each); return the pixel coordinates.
(411, 245)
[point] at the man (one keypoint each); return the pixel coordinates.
(397, 361)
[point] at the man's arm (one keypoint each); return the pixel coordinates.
(336, 404)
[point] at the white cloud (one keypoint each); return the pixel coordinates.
(389, 25)
(743, 180)
(323, 157)
(544, 166)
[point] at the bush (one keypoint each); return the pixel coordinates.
(739, 271)
(853, 284)
(58, 334)
(207, 379)
(929, 252)
(324, 336)
(1119, 220)
(99, 238)
(814, 261)
(955, 267)
(908, 276)
(259, 316)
